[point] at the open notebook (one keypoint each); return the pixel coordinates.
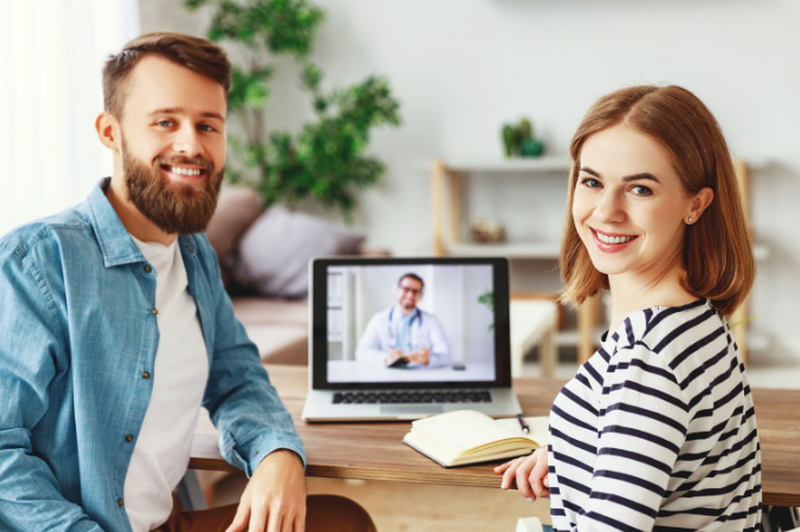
(398, 338)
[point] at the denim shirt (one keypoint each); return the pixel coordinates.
(78, 340)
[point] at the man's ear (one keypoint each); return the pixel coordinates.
(108, 130)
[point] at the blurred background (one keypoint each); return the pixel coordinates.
(456, 71)
(459, 70)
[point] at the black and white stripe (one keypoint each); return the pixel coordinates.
(657, 431)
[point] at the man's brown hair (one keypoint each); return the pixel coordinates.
(718, 254)
(194, 53)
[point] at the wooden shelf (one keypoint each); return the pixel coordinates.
(519, 250)
(518, 164)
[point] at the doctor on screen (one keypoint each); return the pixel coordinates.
(404, 336)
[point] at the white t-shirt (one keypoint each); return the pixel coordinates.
(161, 455)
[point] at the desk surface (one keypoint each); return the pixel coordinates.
(373, 451)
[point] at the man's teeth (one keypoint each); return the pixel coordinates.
(185, 171)
(613, 239)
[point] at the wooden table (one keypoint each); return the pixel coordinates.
(373, 451)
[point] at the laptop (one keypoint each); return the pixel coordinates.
(405, 338)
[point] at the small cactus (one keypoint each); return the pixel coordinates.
(519, 140)
(509, 140)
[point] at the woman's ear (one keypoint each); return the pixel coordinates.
(700, 202)
(108, 130)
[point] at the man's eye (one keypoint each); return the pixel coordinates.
(165, 123)
(641, 190)
(205, 127)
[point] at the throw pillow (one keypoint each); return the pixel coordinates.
(272, 256)
(237, 208)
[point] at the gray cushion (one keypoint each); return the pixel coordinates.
(237, 209)
(272, 256)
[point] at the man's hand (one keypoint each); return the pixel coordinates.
(275, 497)
(530, 472)
(420, 356)
(393, 356)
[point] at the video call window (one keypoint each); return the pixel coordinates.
(392, 323)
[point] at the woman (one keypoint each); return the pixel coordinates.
(657, 430)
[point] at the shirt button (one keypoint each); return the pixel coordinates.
(147, 268)
(154, 311)
(146, 374)
(129, 437)
(120, 502)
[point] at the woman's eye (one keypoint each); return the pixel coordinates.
(165, 123)
(641, 190)
(591, 182)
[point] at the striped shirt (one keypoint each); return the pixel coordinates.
(657, 431)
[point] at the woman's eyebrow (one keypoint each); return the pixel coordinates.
(626, 179)
(643, 175)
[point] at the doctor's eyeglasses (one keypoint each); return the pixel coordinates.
(415, 291)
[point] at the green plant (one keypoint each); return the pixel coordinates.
(488, 300)
(519, 140)
(325, 161)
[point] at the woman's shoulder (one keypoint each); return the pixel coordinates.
(673, 333)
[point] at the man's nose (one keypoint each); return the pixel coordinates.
(187, 141)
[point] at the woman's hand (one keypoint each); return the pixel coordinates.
(530, 472)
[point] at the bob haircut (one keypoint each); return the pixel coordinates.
(718, 255)
(194, 53)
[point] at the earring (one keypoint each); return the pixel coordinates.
(690, 220)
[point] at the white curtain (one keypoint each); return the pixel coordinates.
(51, 56)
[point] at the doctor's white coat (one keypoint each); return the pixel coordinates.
(381, 333)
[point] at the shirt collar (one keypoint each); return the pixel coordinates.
(398, 311)
(115, 242)
(112, 237)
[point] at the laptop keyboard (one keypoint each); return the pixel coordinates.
(417, 396)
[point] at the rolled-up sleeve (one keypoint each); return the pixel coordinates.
(243, 404)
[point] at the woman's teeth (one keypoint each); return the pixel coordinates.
(612, 239)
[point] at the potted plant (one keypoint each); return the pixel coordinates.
(326, 160)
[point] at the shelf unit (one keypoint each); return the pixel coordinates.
(339, 305)
(446, 193)
(446, 183)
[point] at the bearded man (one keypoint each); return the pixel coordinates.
(116, 328)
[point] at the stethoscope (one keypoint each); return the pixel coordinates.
(392, 334)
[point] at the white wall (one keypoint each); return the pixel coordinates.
(463, 67)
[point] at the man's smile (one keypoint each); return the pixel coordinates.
(183, 171)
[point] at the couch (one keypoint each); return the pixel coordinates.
(263, 258)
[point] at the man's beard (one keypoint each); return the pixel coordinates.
(175, 208)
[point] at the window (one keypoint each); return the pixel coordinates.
(51, 57)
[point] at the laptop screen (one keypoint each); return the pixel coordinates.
(409, 323)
